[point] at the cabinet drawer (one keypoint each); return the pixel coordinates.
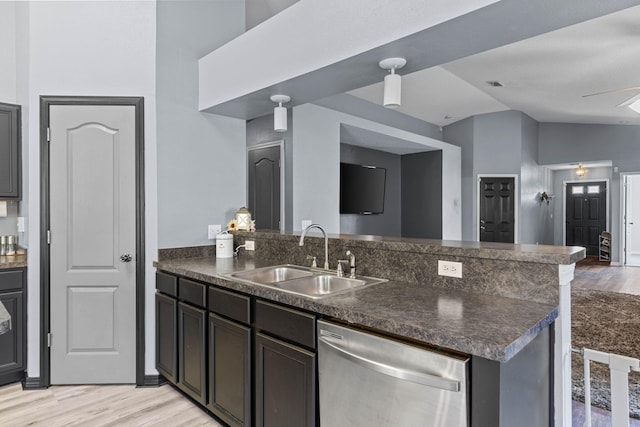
(11, 280)
(167, 284)
(286, 323)
(230, 304)
(193, 292)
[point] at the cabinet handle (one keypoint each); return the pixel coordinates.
(126, 257)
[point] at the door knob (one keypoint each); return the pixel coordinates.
(125, 257)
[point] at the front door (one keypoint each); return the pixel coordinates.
(632, 220)
(264, 186)
(586, 207)
(497, 209)
(92, 244)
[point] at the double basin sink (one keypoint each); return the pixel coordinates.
(309, 282)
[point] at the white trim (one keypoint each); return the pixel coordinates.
(562, 349)
(623, 214)
(564, 203)
(516, 207)
(277, 143)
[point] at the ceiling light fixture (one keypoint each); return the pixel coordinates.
(280, 113)
(392, 81)
(581, 171)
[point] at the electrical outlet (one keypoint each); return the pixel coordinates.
(450, 268)
(306, 223)
(212, 230)
(250, 245)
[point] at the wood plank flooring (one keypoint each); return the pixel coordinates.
(99, 405)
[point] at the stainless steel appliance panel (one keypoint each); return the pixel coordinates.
(368, 380)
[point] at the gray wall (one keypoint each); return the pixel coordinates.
(422, 195)
(259, 131)
(461, 134)
(559, 179)
(389, 222)
(201, 157)
(567, 143)
(505, 142)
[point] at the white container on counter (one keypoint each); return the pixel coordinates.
(224, 245)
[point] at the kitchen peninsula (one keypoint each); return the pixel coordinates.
(503, 312)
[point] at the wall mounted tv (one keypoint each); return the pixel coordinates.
(361, 189)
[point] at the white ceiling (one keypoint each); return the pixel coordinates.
(544, 76)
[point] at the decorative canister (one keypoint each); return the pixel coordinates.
(12, 243)
(224, 245)
(3, 245)
(243, 219)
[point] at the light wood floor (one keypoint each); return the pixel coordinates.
(99, 405)
(591, 274)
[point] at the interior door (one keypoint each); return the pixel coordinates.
(586, 214)
(632, 220)
(264, 187)
(497, 209)
(92, 244)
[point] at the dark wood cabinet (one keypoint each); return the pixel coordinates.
(230, 370)
(285, 384)
(249, 361)
(192, 369)
(167, 337)
(10, 152)
(13, 341)
(285, 365)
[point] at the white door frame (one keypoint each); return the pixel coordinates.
(516, 202)
(277, 143)
(45, 303)
(564, 203)
(623, 213)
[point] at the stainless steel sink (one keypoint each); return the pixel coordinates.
(272, 274)
(319, 286)
(309, 282)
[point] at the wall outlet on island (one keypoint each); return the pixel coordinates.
(450, 268)
(250, 245)
(212, 230)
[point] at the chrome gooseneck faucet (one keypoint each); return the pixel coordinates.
(326, 242)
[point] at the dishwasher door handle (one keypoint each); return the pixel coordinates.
(393, 371)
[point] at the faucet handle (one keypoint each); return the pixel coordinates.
(314, 264)
(339, 269)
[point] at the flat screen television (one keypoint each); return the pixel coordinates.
(361, 189)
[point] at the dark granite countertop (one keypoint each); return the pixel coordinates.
(14, 261)
(492, 327)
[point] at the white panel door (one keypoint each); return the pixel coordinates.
(93, 227)
(632, 226)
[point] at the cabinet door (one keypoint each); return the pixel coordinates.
(12, 344)
(285, 384)
(166, 337)
(192, 372)
(230, 371)
(10, 156)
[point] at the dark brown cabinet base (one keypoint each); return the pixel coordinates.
(13, 342)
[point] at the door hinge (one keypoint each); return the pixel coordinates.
(48, 237)
(49, 339)
(48, 135)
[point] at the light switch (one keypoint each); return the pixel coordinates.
(21, 224)
(3, 208)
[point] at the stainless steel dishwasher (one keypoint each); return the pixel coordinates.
(368, 380)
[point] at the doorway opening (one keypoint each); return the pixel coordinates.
(265, 185)
(586, 213)
(136, 105)
(497, 208)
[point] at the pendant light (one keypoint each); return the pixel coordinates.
(280, 113)
(392, 81)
